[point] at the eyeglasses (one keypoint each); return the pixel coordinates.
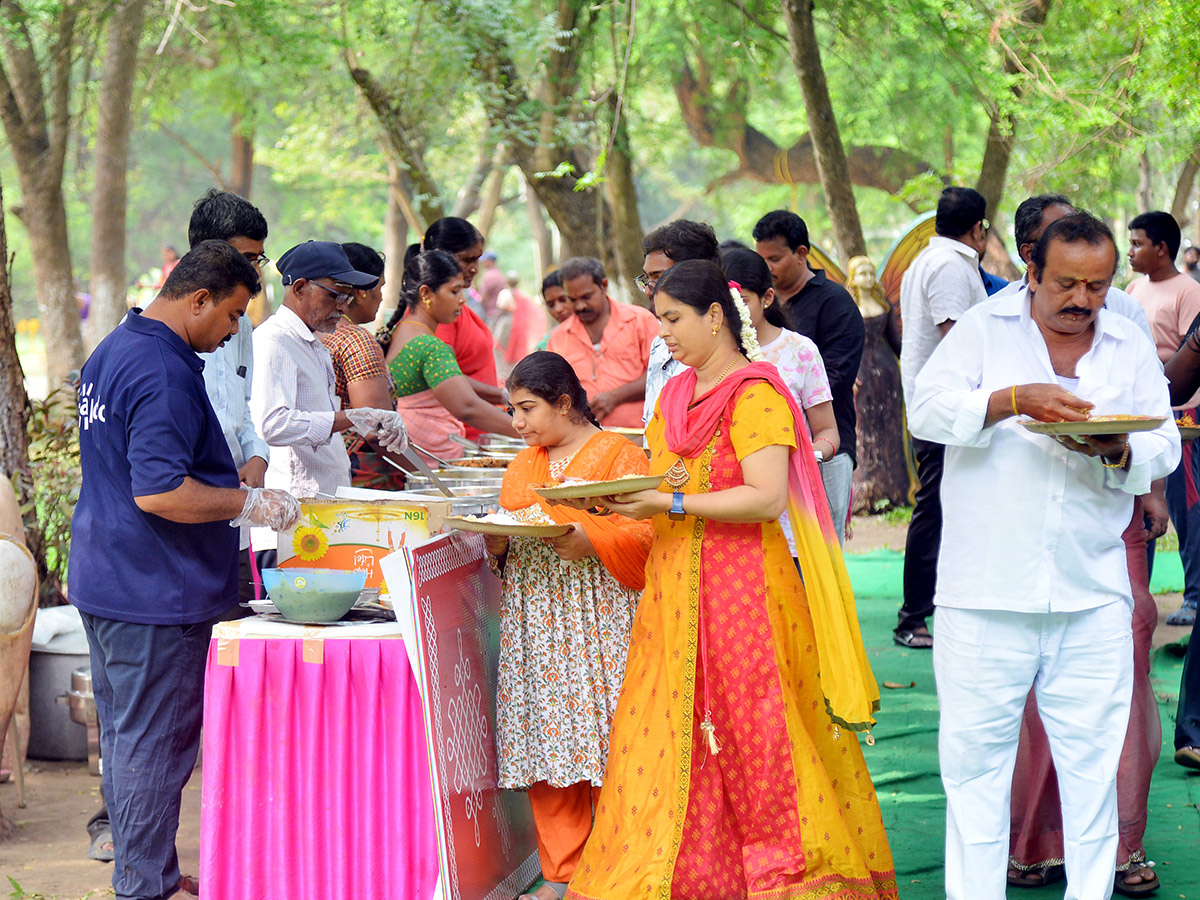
(260, 260)
(645, 282)
(338, 296)
(987, 226)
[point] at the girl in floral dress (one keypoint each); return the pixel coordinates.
(566, 611)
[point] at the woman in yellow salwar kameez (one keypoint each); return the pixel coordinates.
(734, 766)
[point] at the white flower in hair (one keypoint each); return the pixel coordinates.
(748, 336)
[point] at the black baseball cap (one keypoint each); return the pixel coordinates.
(322, 259)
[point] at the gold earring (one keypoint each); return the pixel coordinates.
(716, 327)
(428, 303)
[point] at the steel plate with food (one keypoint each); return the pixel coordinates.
(501, 523)
(584, 490)
(1097, 425)
(1188, 429)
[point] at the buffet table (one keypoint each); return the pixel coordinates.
(316, 778)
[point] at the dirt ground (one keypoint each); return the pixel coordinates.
(47, 857)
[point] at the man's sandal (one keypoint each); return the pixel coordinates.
(102, 846)
(1036, 877)
(912, 640)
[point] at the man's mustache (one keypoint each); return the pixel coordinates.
(1072, 310)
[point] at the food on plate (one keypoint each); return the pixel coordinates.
(496, 518)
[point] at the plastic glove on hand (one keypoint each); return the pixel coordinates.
(385, 427)
(269, 508)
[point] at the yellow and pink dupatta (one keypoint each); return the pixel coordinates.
(851, 693)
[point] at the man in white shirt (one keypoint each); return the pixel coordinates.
(229, 370)
(293, 401)
(1033, 583)
(942, 283)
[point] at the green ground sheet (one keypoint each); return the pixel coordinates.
(904, 760)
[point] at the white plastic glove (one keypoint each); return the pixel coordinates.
(268, 508)
(385, 427)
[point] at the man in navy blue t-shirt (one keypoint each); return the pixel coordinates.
(153, 557)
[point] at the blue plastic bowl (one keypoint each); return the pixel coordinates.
(313, 595)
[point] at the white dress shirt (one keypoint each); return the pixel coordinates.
(661, 368)
(1029, 526)
(293, 403)
(228, 374)
(942, 283)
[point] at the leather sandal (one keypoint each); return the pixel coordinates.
(1036, 877)
(1148, 885)
(912, 640)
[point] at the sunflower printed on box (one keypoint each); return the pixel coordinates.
(356, 534)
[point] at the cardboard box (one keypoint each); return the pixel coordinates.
(354, 535)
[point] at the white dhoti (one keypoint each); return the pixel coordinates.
(1081, 665)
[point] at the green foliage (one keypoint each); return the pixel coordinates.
(51, 488)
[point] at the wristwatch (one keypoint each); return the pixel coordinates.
(676, 512)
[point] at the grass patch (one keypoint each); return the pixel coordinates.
(892, 515)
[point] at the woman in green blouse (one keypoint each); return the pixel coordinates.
(435, 397)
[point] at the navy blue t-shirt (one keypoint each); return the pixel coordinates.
(145, 423)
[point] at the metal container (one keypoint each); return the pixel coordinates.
(81, 703)
(53, 733)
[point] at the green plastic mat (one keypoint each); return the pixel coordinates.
(904, 762)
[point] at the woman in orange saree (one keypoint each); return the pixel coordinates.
(735, 769)
(567, 606)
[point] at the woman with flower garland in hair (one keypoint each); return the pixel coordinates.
(435, 398)
(735, 768)
(566, 609)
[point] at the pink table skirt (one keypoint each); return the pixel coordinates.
(316, 774)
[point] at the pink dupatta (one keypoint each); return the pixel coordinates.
(851, 693)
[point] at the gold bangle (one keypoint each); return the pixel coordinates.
(1016, 412)
(1119, 464)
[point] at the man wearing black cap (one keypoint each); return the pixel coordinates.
(293, 401)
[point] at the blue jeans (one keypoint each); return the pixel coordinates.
(836, 475)
(1186, 521)
(149, 686)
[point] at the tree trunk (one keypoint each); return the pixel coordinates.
(405, 149)
(14, 420)
(622, 197)
(1183, 189)
(761, 159)
(1145, 188)
(882, 473)
(35, 109)
(395, 242)
(543, 241)
(998, 151)
(491, 198)
(832, 168)
(241, 160)
(467, 200)
(111, 160)
(44, 215)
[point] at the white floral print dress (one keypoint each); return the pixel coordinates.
(564, 633)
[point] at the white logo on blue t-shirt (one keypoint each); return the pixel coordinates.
(90, 409)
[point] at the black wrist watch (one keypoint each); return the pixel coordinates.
(676, 512)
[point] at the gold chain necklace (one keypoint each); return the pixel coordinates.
(415, 321)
